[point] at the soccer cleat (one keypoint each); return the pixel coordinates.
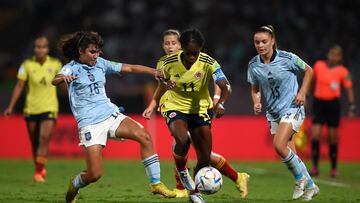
(242, 184)
(180, 193)
(333, 173)
(196, 198)
(300, 187)
(314, 172)
(310, 193)
(37, 177)
(71, 192)
(186, 180)
(160, 188)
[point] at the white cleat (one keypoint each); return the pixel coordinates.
(310, 193)
(186, 179)
(300, 187)
(196, 198)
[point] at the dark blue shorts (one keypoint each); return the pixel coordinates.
(41, 117)
(193, 120)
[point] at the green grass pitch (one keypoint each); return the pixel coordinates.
(125, 181)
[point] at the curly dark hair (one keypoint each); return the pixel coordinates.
(70, 44)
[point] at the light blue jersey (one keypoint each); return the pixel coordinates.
(88, 100)
(278, 82)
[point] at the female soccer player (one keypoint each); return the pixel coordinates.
(41, 103)
(274, 73)
(171, 45)
(98, 118)
(329, 75)
(186, 105)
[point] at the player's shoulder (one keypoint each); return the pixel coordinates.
(253, 61)
(162, 59)
(54, 60)
(171, 59)
(28, 62)
(203, 57)
(71, 64)
(285, 54)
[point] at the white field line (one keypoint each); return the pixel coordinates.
(261, 171)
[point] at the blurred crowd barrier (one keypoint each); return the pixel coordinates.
(235, 137)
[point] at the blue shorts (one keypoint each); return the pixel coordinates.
(41, 117)
(193, 120)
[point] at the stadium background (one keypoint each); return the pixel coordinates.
(132, 33)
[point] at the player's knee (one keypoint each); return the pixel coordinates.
(182, 141)
(280, 149)
(216, 160)
(144, 137)
(44, 138)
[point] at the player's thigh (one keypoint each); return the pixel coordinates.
(93, 155)
(179, 130)
(283, 135)
(131, 129)
(177, 123)
(202, 139)
(46, 127)
(32, 128)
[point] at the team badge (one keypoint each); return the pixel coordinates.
(50, 70)
(87, 136)
(199, 75)
(172, 114)
(91, 77)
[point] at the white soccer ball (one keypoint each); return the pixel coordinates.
(208, 180)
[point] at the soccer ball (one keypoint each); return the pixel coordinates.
(208, 180)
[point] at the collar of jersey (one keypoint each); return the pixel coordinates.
(272, 57)
(84, 65)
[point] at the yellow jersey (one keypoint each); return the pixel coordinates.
(160, 65)
(191, 93)
(41, 94)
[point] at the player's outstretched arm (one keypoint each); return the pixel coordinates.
(60, 78)
(140, 69)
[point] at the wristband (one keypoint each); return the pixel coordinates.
(222, 104)
(216, 96)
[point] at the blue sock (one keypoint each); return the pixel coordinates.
(310, 183)
(78, 182)
(152, 168)
(292, 163)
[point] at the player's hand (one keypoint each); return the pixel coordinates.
(170, 84)
(219, 110)
(158, 74)
(257, 108)
(147, 112)
(8, 111)
(69, 78)
(300, 99)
